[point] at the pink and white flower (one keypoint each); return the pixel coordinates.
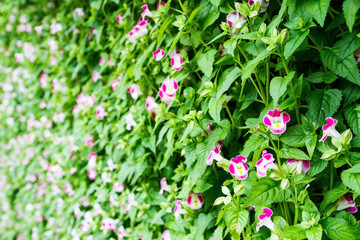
(121, 233)
(214, 155)
(43, 80)
(135, 91)
(89, 141)
(329, 129)
(302, 166)
(263, 4)
(265, 220)
(158, 54)
(130, 122)
(139, 30)
(96, 76)
(238, 167)
(178, 210)
(164, 186)
(146, 11)
(265, 163)
(195, 200)
(168, 89)
(92, 174)
(176, 61)
(105, 177)
(100, 112)
(131, 202)
(101, 62)
(119, 18)
(42, 104)
(92, 160)
(111, 165)
(345, 202)
(276, 120)
(118, 187)
(150, 104)
(235, 21)
(160, 5)
(79, 12)
(85, 227)
(166, 235)
(109, 224)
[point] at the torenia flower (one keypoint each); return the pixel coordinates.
(121, 233)
(118, 188)
(96, 76)
(92, 174)
(109, 224)
(176, 61)
(164, 186)
(195, 200)
(178, 210)
(100, 112)
(263, 4)
(169, 87)
(302, 166)
(158, 54)
(214, 155)
(130, 122)
(131, 202)
(166, 235)
(267, 161)
(238, 167)
(265, 220)
(119, 18)
(150, 104)
(85, 227)
(135, 91)
(329, 129)
(105, 177)
(235, 21)
(345, 202)
(79, 12)
(89, 141)
(276, 120)
(111, 165)
(146, 11)
(92, 160)
(101, 61)
(357, 55)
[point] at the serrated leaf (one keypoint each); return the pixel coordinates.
(297, 37)
(207, 15)
(253, 143)
(351, 92)
(278, 86)
(215, 106)
(200, 165)
(350, 8)
(346, 46)
(333, 195)
(218, 233)
(206, 62)
(230, 45)
(235, 220)
(351, 178)
(293, 232)
(265, 191)
(314, 233)
(249, 68)
(310, 143)
(216, 3)
(352, 117)
(294, 136)
(317, 164)
(293, 153)
(323, 104)
(318, 10)
(226, 79)
(346, 68)
(339, 229)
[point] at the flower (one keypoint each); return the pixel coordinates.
(158, 54)
(214, 155)
(267, 161)
(131, 202)
(79, 12)
(302, 166)
(178, 210)
(238, 167)
(101, 61)
(111, 165)
(135, 91)
(195, 200)
(150, 104)
(92, 160)
(164, 186)
(139, 30)
(121, 232)
(109, 224)
(176, 61)
(235, 21)
(130, 122)
(92, 174)
(263, 4)
(345, 202)
(96, 76)
(89, 141)
(105, 177)
(265, 220)
(329, 129)
(85, 227)
(168, 89)
(146, 11)
(119, 18)
(166, 235)
(276, 120)
(118, 188)
(100, 112)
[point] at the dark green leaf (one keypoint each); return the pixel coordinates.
(226, 79)
(350, 8)
(278, 86)
(296, 39)
(293, 153)
(249, 68)
(351, 178)
(294, 136)
(352, 116)
(266, 191)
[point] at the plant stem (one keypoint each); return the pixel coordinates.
(331, 174)
(296, 207)
(267, 81)
(230, 115)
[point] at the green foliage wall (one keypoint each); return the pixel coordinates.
(179, 120)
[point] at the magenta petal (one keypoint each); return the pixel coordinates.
(352, 209)
(231, 169)
(268, 212)
(307, 165)
(267, 121)
(189, 199)
(201, 199)
(286, 117)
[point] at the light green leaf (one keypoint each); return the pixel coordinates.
(351, 178)
(253, 143)
(215, 106)
(200, 165)
(333, 195)
(206, 62)
(339, 229)
(346, 68)
(235, 220)
(218, 233)
(323, 104)
(350, 8)
(216, 3)
(314, 233)
(296, 39)
(293, 232)
(278, 86)
(293, 153)
(249, 68)
(294, 136)
(266, 191)
(230, 45)
(226, 79)
(318, 10)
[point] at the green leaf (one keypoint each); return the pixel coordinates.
(317, 164)
(216, 3)
(310, 143)
(202, 223)
(339, 229)
(319, 77)
(351, 178)
(276, 21)
(333, 195)
(346, 68)
(323, 104)
(230, 45)
(207, 15)
(293, 232)
(296, 39)
(200, 165)
(215, 106)
(250, 67)
(294, 136)
(278, 86)
(293, 153)
(318, 10)
(350, 8)
(352, 116)
(266, 191)
(235, 220)
(314, 233)
(351, 92)
(253, 143)
(346, 46)
(218, 233)
(206, 62)
(226, 79)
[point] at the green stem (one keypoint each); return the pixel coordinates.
(230, 115)
(331, 174)
(296, 207)
(267, 80)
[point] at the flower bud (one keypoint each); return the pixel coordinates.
(283, 36)
(262, 30)
(346, 137)
(285, 183)
(329, 154)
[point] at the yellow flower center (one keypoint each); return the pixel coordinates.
(195, 203)
(277, 125)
